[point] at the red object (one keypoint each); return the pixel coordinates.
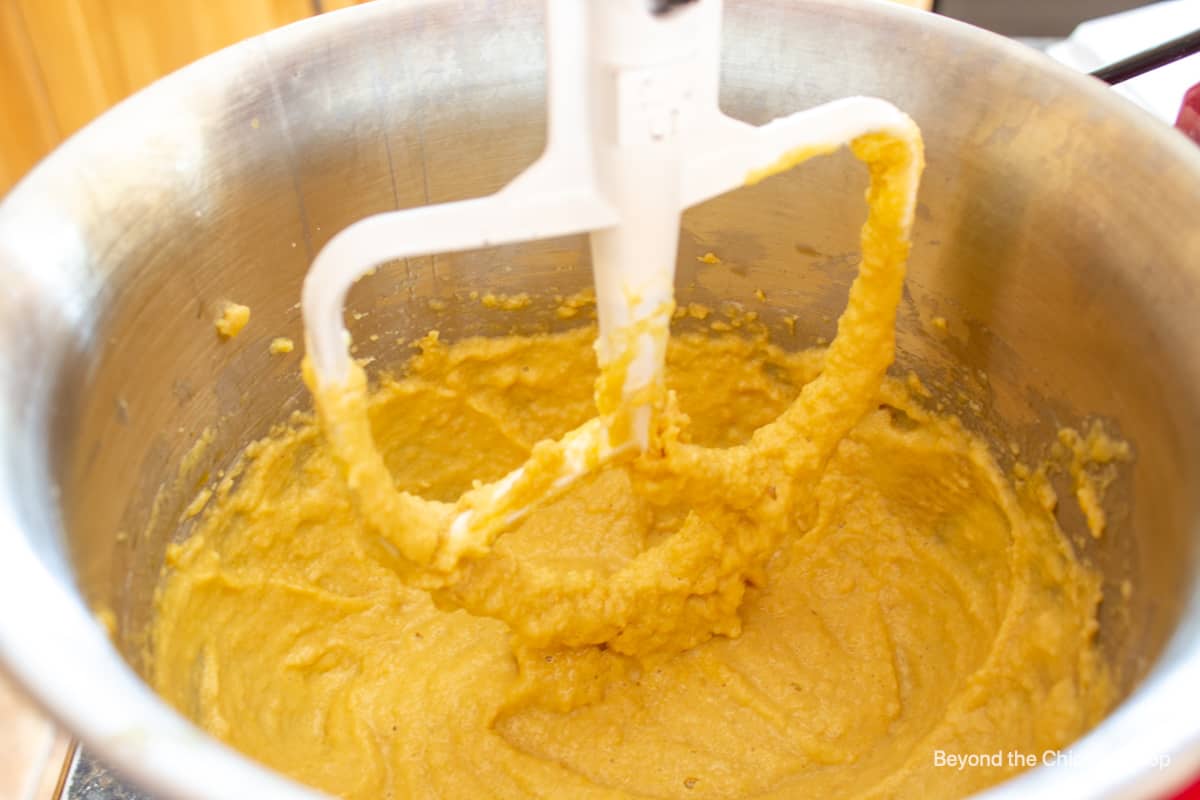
(1193, 791)
(1189, 123)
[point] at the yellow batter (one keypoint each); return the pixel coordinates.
(846, 587)
(720, 513)
(925, 604)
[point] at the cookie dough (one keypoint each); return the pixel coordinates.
(923, 602)
(727, 509)
(809, 586)
(234, 317)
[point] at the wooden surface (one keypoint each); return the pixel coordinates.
(62, 62)
(32, 752)
(27, 126)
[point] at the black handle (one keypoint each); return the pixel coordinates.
(660, 7)
(1151, 59)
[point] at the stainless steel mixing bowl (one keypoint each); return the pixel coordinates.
(1058, 236)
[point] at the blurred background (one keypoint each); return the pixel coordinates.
(1031, 18)
(62, 62)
